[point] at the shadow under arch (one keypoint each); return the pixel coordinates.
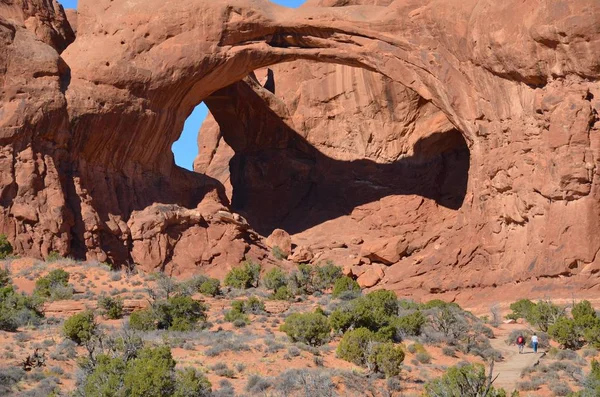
(280, 180)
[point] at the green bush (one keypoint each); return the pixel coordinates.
(310, 328)
(17, 309)
(438, 304)
(179, 313)
(210, 287)
(254, 305)
(151, 372)
(53, 256)
(327, 275)
(275, 279)
(387, 359)
(356, 345)
(112, 308)
(80, 327)
(302, 281)
(411, 324)
(278, 253)
(521, 309)
(344, 284)
(191, 383)
(565, 332)
(4, 278)
(55, 281)
(342, 319)
(236, 316)
(544, 314)
(243, 277)
(375, 310)
(5, 248)
(282, 294)
(466, 380)
(142, 320)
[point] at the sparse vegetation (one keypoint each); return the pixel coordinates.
(465, 380)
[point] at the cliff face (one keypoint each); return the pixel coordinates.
(436, 145)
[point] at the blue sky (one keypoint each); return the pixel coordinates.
(186, 148)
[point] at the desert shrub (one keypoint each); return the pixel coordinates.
(191, 383)
(17, 309)
(327, 275)
(560, 389)
(6, 248)
(387, 359)
(565, 332)
(4, 278)
(222, 369)
(423, 358)
(9, 377)
(354, 346)
(80, 327)
(111, 307)
(310, 328)
(257, 384)
(142, 320)
(411, 324)
(466, 380)
(275, 279)
(210, 287)
(243, 277)
(54, 285)
(253, 305)
(282, 294)
(521, 309)
(278, 253)
(450, 322)
(342, 319)
(438, 304)
(449, 351)
(591, 384)
(344, 284)
(53, 256)
(151, 372)
(301, 280)
(179, 313)
(544, 314)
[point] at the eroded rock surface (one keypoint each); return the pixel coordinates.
(467, 130)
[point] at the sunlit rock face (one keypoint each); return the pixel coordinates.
(448, 144)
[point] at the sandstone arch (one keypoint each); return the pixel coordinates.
(86, 136)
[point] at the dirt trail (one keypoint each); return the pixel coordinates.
(509, 370)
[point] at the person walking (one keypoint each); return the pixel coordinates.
(521, 343)
(534, 342)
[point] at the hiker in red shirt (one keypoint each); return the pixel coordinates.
(521, 343)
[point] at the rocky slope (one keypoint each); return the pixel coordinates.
(454, 144)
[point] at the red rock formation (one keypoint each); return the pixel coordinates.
(504, 93)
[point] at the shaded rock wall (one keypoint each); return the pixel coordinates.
(86, 134)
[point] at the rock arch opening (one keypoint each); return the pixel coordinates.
(185, 149)
(308, 144)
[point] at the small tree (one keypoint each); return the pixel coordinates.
(544, 314)
(310, 328)
(151, 373)
(387, 359)
(80, 327)
(210, 287)
(565, 332)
